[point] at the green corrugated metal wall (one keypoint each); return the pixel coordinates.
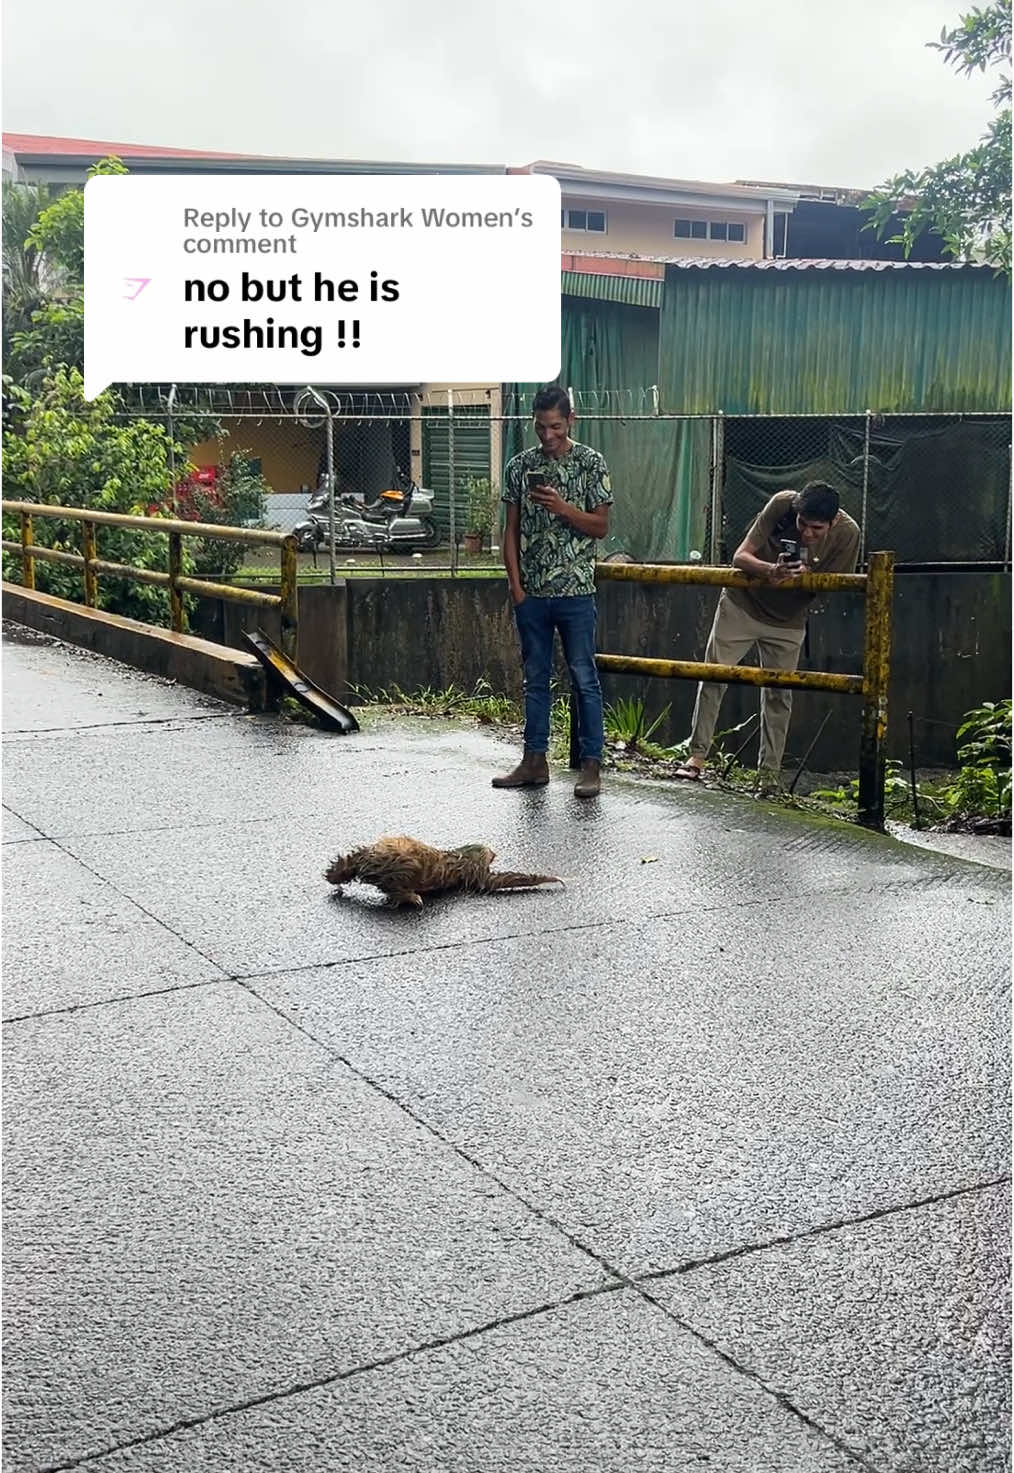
(471, 458)
(832, 341)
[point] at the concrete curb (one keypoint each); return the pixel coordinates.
(213, 669)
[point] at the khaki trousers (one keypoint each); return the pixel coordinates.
(732, 635)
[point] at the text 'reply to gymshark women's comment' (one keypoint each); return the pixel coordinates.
(350, 279)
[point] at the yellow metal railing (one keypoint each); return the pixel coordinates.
(878, 586)
(92, 566)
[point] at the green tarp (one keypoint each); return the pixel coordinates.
(934, 494)
(660, 469)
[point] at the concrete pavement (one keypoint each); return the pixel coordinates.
(702, 1163)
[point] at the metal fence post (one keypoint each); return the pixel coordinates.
(451, 528)
(329, 444)
(91, 590)
(177, 619)
(170, 404)
(717, 458)
(27, 561)
(866, 491)
(876, 679)
(1010, 488)
(290, 598)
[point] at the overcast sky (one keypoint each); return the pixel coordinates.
(841, 92)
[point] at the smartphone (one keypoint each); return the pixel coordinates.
(533, 479)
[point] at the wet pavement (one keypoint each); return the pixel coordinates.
(700, 1163)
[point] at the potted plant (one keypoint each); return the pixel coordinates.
(481, 502)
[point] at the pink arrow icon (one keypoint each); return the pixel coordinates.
(139, 283)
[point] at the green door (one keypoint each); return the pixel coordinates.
(471, 458)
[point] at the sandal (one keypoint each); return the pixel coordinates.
(688, 771)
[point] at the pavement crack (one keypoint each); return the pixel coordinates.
(298, 1388)
(105, 1002)
(785, 1402)
(164, 925)
(26, 821)
(134, 722)
(876, 1215)
(621, 1279)
(460, 943)
(540, 1213)
(464, 943)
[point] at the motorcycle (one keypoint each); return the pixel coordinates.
(399, 520)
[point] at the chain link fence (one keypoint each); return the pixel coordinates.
(416, 478)
(934, 489)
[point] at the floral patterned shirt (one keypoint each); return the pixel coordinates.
(558, 561)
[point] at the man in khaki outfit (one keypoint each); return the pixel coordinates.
(796, 532)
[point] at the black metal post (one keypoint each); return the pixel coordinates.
(917, 822)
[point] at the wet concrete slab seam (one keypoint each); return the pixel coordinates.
(17, 830)
(284, 1186)
(508, 1401)
(668, 1114)
(909, 1360)
(470, 1160)
(631, 1280)
(350, 1373)
(92, 947)
(740, 1368)
(745, 1251)
(106, 1002)
(43, 733)
(137, 904)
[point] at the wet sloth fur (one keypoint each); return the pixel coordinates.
(405, 870)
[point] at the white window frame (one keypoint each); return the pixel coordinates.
(682, 220)
(709, 226)
(568, 210)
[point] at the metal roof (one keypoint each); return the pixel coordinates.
(36, 148)
(657, 184)
(800, 263)
(636, 291)
(36, 145)
(787, 263)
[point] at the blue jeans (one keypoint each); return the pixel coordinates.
(538, 619)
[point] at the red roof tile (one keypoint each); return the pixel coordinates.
(33, 143)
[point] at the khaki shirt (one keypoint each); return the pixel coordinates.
(836, 552)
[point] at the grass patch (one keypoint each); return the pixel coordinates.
(480, 704)
(976, 800)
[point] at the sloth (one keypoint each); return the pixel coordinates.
(405, 870)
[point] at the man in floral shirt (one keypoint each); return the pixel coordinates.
(557, 497)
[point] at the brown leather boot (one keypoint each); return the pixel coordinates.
(531, 772)
(589, 784)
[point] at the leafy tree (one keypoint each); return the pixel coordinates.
(53, 339)
(965, 199)
(72, 452)
(24, 283)
(59, 231)
(238, 495)
(109, 454)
